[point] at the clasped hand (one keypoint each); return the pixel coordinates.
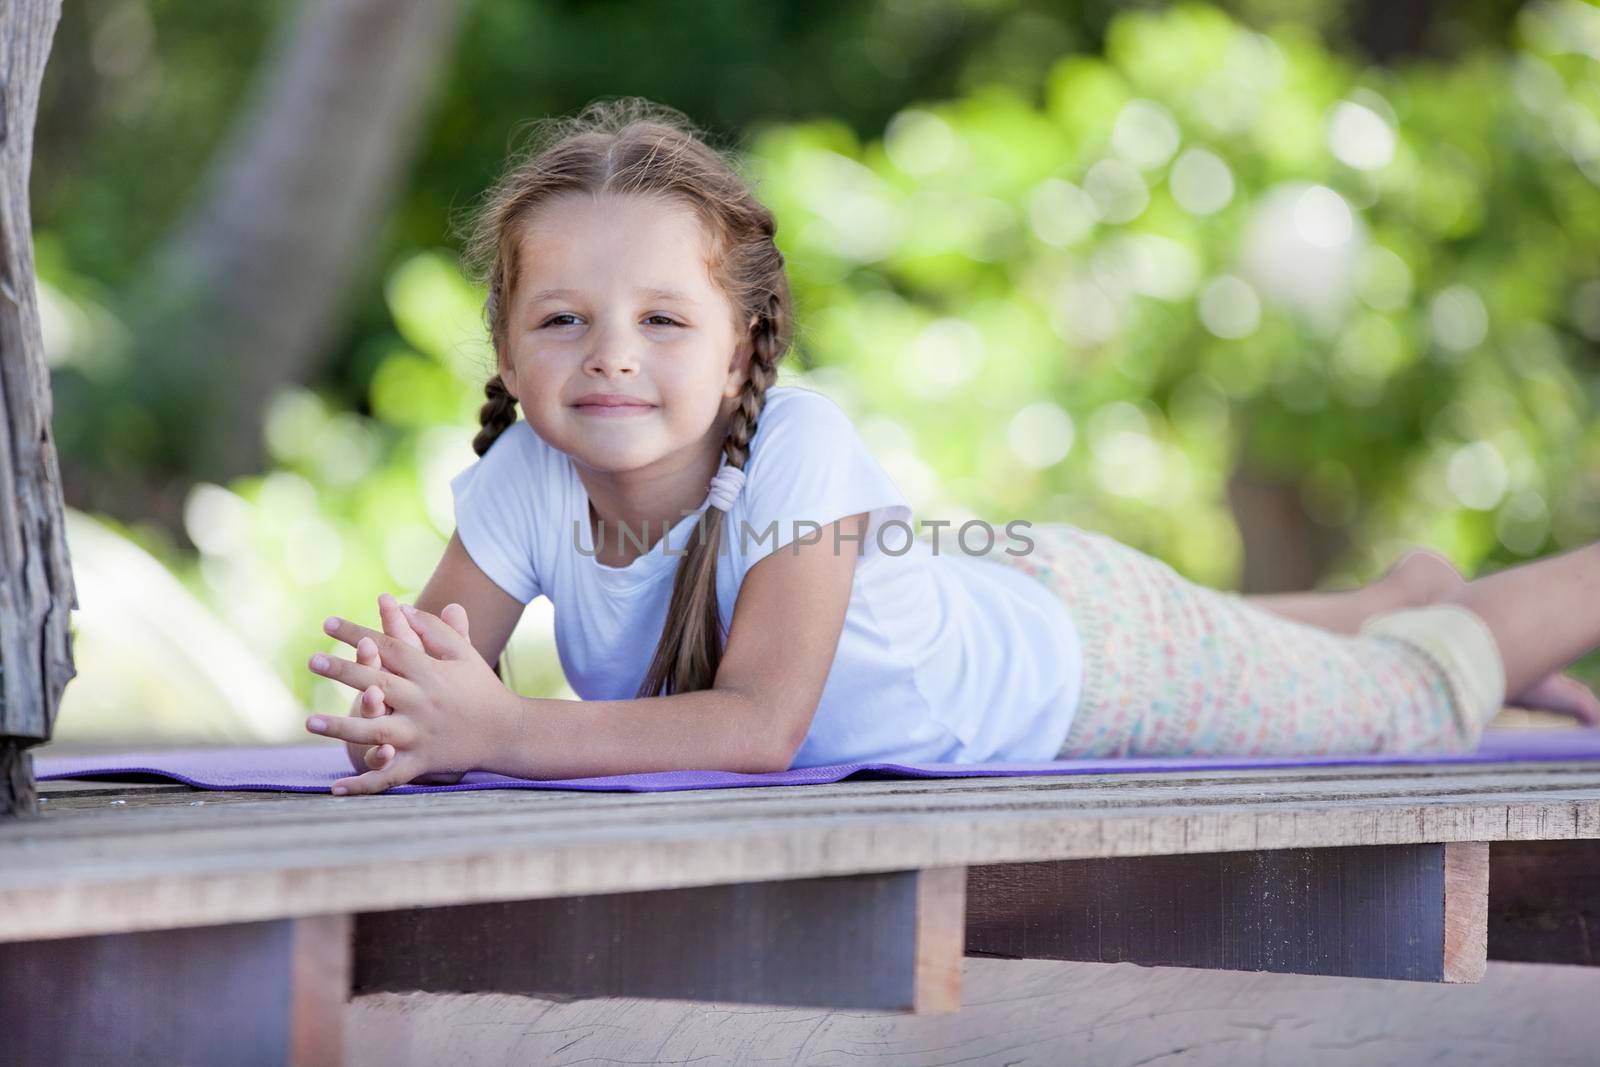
(429, 703)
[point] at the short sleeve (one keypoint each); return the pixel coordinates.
(495, 514)
(809, 465)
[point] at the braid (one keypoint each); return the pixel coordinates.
(762, 373)
(496, 416)
(690, 651)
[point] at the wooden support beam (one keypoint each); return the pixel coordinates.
(251, 993)
(888, 941)
(37, 590)
(1372, 911)
(1544, 901)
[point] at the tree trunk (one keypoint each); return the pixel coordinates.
(1285, 549)
(1389, 32)
(248, 291)
(36, 587)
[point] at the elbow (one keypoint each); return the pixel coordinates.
(779, 761)
(788, 746)
(797, 721)
(767, 737)
(772, 757)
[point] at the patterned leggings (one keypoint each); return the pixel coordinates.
(1172, 667)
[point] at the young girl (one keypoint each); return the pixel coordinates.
(729, 586)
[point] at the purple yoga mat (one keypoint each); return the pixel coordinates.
(313, 768)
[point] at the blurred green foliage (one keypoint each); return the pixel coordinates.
(1211, 245)
(1081, 288)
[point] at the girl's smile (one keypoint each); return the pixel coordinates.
(610, 405)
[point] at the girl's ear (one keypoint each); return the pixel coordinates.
(739, 366)
(508, 374)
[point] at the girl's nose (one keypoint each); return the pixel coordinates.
(611, 352)
(607, 362)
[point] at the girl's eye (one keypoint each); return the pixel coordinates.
(566, 315)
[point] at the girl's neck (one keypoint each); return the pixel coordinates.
(646, 502)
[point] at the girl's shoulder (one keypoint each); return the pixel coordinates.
(799, 400)
(800, 417)
(807, 462)
(520, 451)
(518, 460)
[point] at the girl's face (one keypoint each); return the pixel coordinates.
(614, 300)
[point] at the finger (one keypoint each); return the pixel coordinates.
(398, 692)
(393, 730)
(455, 617)
(397, 655)
(372, 703)
(438, 638)
(395, 623)
(379, 756)
(372, 781)
(372, 697)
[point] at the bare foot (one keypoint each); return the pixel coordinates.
(1422, 576)
(1564, 695)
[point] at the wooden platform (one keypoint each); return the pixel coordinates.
(856, 895)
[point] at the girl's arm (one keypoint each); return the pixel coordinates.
(781, 642)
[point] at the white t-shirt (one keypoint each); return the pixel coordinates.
(943, 658)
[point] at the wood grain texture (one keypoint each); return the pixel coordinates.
(18, 795)
(886, 942)
(253, 993)
(1466, 910)
(94, 866)
(1413, 912)
(1544, 902)
(1025, 1013)
(320, 950)
(941, 938)
(36, 589)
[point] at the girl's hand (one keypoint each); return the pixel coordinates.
(370, 704)
(445, 701)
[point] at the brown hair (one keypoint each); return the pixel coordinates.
(633, 146)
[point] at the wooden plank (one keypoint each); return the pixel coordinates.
(889, 942)
(1544, 902)
(280, 810)
(1034, 1012)
(312, 820)
(1413, 912)
(253, 993)
(303, 816)
(126, 868)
